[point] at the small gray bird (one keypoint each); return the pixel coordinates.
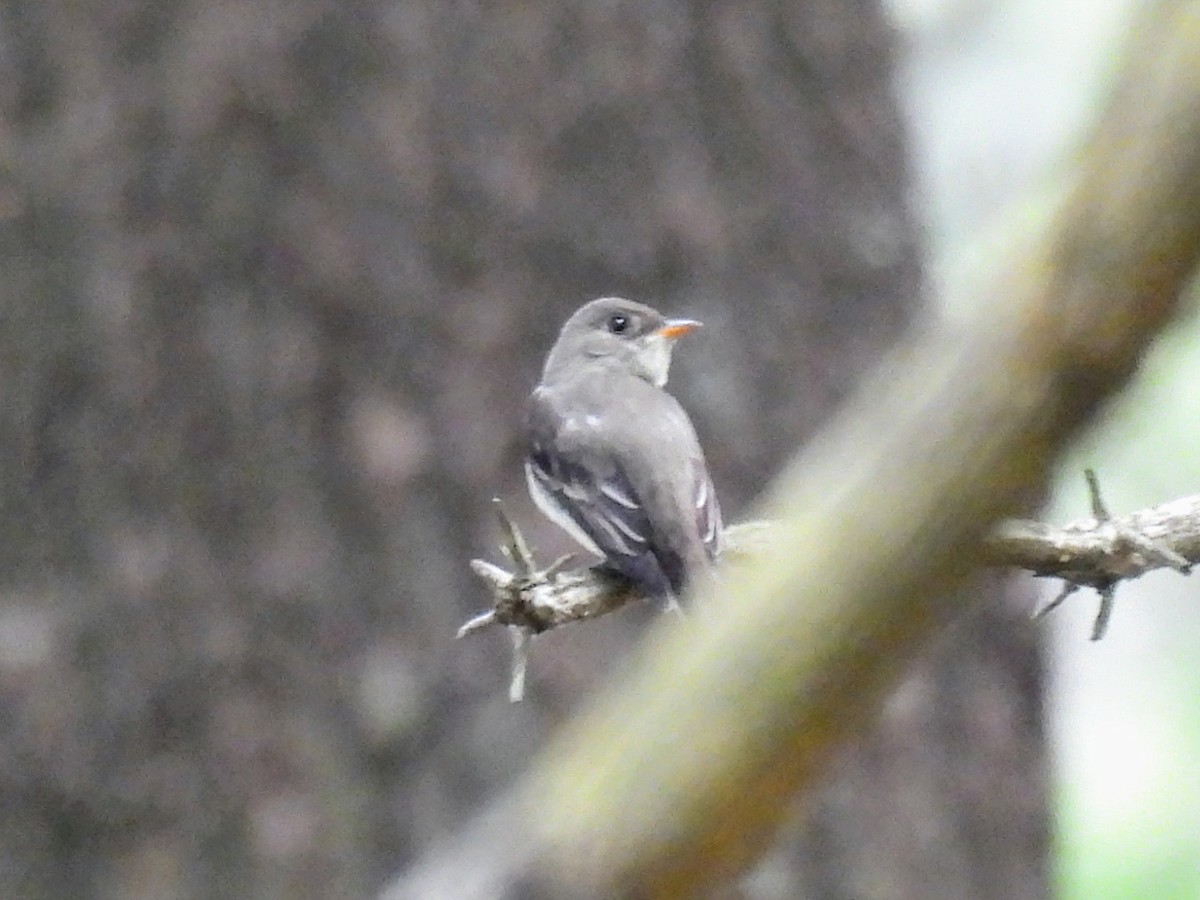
(612, 457)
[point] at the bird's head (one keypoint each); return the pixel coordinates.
(617, 332)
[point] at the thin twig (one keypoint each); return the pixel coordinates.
(1068, 589)
(1099, 552)
(520, 662)
(1108, 597)
(514, 546)
(1099, 510)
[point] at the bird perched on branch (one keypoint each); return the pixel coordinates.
(613, 458)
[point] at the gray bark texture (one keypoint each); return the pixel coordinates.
(277, 277)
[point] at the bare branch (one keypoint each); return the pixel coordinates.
(1094, 553)
(1098, 552)
(541, 599)
(1103, 551)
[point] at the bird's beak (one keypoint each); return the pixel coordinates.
(677, 328)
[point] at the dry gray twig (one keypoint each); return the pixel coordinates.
(530, 600)
(1102, 551)
(1098, 552)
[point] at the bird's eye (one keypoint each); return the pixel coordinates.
(618, 323)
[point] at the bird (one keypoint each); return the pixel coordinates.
(613, 459)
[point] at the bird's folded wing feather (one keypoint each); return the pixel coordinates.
(588, 485)
(708, 510)
(603, 507)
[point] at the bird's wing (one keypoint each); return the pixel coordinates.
(577, 482)
(708, 510)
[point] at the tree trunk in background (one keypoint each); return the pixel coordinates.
(277, 277)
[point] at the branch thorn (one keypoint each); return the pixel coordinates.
(1099, 510)
(1107, 602)
(514, 546)
(1068, 589)
(520, 662)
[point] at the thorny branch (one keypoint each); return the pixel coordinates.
(1102, 551)
(1098, 552)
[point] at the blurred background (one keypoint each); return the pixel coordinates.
(996, 95)
(277, 277)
